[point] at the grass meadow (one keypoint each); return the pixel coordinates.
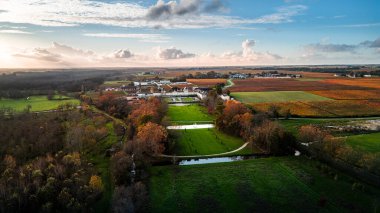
(189, 114)
(365, 142)
(205, 141)
(38, 103)
(271, 97)
(282, 184)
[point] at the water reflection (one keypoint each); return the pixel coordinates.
(215, 160)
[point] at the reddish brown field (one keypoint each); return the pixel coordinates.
(206, 82)
(260, 85)
(298, 109)
(339, 108)
(349, 94)
(362, 82)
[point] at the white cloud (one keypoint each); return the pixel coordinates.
(154, 38)
(173, 53)
(122, 54)
(40, 54)
(172, 15)
(283, 15)
(15, 32)
(60, 55)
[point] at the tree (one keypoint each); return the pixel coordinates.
(151, 138)
(310, 134)
(96, 183)
(271, 137)
(121, 165)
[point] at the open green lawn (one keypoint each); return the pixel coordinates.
(366, 142)
(206, 141)
(38, 103)
(189, 114)
(282, 184)
(271, 97)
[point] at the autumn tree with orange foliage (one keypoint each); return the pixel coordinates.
(235, 119)
(151, 138)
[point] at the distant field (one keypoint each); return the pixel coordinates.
(282, 184)
(362, 82)
(38, 103)
(349, 94)
(206, 82)
(263, 85)
(206, 141)
(335, 108)
(283, 96)
(366, 142)
(189, 114)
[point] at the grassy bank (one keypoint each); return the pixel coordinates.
(284, 184)
(189, 114)
(205, 141)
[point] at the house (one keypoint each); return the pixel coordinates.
(129, 89)
(239, 76)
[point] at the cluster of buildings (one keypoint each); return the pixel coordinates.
(272, 74)
(163, 88)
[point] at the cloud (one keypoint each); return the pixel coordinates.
(122, 54)
(372, 44)
(40, 54)
(249, 55)
(330, 48)
(315, 50)
(171, 9)
(355, 25)
(182, 14)
(154, 38)
(67, 50)
(15, 32)
(215, 6)
(283, 15)
(173, 53)
(247, 46)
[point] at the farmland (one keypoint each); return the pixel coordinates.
(366, 142)
(282, 184)
(205, 141)
(207, 82)
(282, 96)
(362, 82)
(349, 94)
(37, 103)
(189, 114)
(262, 85)
(337, 108)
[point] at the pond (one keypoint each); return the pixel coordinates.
(218, 159)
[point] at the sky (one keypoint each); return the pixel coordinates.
(182, 33)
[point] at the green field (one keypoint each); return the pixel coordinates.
(271, 97)
(283, 184)
(189, 114)
(366, 142)
(206, 141)
(38, 103)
